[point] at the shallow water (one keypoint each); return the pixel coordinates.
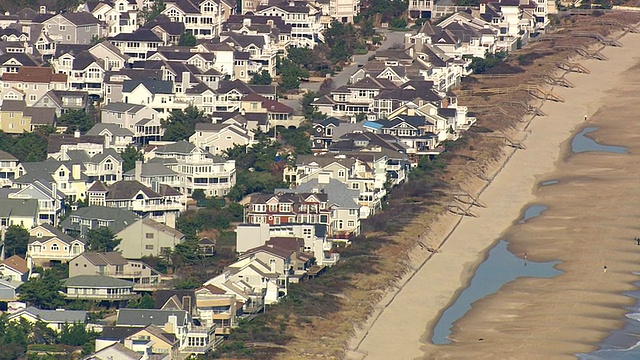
(582, 143)
(622, 344)
(531, 212)
(549, 182)
(500, 267)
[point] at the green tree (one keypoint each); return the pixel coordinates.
(291, 74)
(341, 39)
(262, 78)
(366, 28)
(42, 292)
(28, 146)
(298, 138)
(76, 120)
(145, 302)
(152, 12)
(75, 335)
(198, 195)
(309, 111)
(398, 23)
(301, 56)
(129, 157)
(102, 239)
(16, 240)
(187, 39)
(182, 124)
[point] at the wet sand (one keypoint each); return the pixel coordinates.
(591, 221)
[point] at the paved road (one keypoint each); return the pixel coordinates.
(392, 39)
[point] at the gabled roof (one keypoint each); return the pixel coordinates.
(153, 169)
(128, 189)
(81, 18)
(18, 208)
(56, 232)
(103, 259)
(123, 353)
(55, 316)
(7, 157)
(144, 317)
(142, 34)
(16, 263)
(179, 147)
(118, 218)
(154, 86)
(122, 107)
(114, 129)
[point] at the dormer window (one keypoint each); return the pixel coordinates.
(39, 234)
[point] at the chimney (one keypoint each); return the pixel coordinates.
(76, 134)
(75, 171)
(186, 79)
(272, 264)
(128, 343)
(246, 22)
(43, 9)
(138, 171)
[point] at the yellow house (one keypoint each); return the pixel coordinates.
(48, 244)
(163, 342)
(16, 118)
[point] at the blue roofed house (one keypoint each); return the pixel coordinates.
(98, 287)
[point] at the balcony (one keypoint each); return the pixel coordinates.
(108, 297)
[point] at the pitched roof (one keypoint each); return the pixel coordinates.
(81, 18)
(97, 281)
(7, 157)
(180, 147)
(18, 207)
(162, 227)
(108, 258)
(13, 105)
(35, 74)
(142, 34)
(114, 129)
(338, 192)
(56, 316)
(144, 317)
(127, 189)
(122, 107)
(16, 263)
(56, 232)
(118, 218)
(123, 352)
(41, 115)
(152, 169)
(98, 186)
(154, 86)
(57, 140)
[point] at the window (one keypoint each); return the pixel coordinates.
(351, 223)
(55, 247)
(149, 235)
(355, 186)
(341, 173)
(353, 212)
(62, 28)
(148, 247)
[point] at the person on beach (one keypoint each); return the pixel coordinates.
(585, 118)
(605, 268)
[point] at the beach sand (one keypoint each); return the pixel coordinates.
(591, 221)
